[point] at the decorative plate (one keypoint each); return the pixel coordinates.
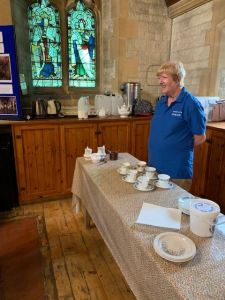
(174, 247)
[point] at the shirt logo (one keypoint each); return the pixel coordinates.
(176, 113)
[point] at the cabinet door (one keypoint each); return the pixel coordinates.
(114, 135)
(140, 133)
(38, 161)
(215, 184)
(200, 168)
(74, 139)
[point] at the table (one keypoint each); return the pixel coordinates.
(114, 206)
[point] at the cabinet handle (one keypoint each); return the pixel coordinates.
(208, 141)
(98, 132)
(18, 136)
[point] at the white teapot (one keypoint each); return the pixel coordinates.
(124, 110)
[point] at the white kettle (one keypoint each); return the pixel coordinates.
(124, 110)
(83, 106)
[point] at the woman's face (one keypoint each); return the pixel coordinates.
(167, 84)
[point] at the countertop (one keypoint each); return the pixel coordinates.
(210, 125)
(72, 119)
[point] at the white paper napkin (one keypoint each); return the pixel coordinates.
(155, 215)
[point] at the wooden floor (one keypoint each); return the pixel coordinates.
(82, 264)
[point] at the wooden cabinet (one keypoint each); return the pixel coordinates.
(46, 150)
(200, 168)
(37, 152)
(215, 184)
(209, 168)
(75, 137)
(115, 135)
(139, 134)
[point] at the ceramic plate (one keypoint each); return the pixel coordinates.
(149, 188)
(174, 247)
(168, 186)
(124, 179)
(87, 156)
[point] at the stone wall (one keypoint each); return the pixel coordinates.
(198, 40)
(189, 44)
(136, 40)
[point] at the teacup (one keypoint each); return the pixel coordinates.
(141, 165)
(163, 179)
(124, 167)
(131, 175)
(142, 182)
(150, 172)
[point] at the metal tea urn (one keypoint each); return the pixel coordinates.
(131, 92)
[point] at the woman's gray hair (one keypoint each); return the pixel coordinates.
(175, 69)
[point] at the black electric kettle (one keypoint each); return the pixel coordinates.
(54, 107)
(39, 108)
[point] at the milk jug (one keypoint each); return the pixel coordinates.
(83, 105)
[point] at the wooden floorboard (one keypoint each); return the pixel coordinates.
(83, 267)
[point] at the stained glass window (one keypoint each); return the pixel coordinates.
(81, 46)
(45, 44)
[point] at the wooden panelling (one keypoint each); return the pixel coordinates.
(209, 168)
(140, 133)
(115, 135)
(37, 159)
(46, 152)
(74, 139)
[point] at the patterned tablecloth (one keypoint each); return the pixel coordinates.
(114, 206)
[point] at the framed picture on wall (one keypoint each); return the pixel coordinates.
(5, 68)
(8, 105)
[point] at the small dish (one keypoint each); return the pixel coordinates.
(174, 247)
(148, 189)
(168, 185)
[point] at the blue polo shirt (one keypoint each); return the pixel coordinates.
(171, 141)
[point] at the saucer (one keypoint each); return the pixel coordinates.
(147, 189)
(129, 181)
(121, 173)
(153, 178)
(174, 247)
(169, 185)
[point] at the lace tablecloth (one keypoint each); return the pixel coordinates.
(114, 206)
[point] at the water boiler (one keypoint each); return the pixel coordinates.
(131, 92)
